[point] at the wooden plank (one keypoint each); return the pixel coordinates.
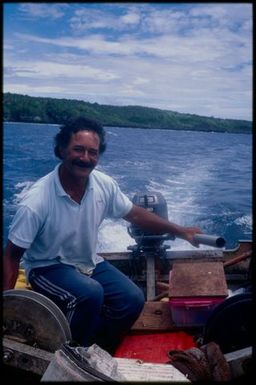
(242, 247)
(136, 370)
(211, 254)
(197, 279)
(170, 255)
(155, 316)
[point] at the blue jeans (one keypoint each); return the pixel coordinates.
(100, 308)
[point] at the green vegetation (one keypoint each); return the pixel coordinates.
(23, 108)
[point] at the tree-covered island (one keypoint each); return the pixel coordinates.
(24, 108)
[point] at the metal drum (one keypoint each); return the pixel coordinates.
(33, 319)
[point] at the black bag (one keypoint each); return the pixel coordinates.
(230, 324)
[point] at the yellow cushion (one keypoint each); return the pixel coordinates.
(21, 282)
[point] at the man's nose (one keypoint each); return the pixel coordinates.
(85, 155)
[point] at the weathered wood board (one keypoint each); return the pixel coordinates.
(155, 316)
(194, 279)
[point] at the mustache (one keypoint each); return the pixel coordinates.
(79, 163)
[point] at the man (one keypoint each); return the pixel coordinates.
(55, 233)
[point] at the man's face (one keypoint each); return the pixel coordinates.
(82, 153)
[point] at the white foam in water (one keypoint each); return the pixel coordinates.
(24, 186)
(245, 220)
(113, 236)
(184, 188)
(181, 194)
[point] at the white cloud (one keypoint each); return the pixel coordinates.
(33, 89)
(131, 18)
(204, 47)
(194, 59)
(53, 70)
(43, 10)
(98, 19)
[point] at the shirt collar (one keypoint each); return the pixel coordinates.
(60, 190)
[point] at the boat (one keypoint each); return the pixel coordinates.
(162, 344)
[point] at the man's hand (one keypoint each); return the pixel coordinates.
(189, 233)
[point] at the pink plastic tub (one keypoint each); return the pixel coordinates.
(193, 311)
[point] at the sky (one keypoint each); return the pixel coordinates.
(191, 58)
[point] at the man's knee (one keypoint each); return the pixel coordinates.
(135, 300)
(93, 293)
(90, 296)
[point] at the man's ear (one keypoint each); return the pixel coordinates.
(62, 152)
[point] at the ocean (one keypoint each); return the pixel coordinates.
(205, 177)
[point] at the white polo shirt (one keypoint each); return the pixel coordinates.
(53, 228)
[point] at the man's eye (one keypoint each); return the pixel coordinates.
(93, 153)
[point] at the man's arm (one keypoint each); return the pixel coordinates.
(12, 256)
(154, 223)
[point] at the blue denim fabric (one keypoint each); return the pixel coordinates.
(100, 308)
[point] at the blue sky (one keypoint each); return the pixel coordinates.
(185, 57)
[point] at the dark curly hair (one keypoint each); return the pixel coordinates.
(72, 126)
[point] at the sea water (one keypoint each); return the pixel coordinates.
(205, 177)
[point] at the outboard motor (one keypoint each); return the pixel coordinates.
(155, 203)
